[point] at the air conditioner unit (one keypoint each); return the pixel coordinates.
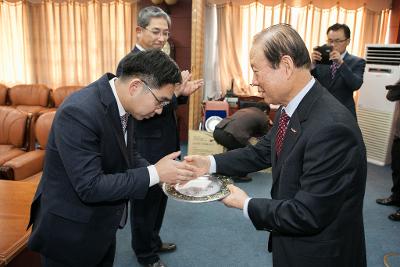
(374, 111)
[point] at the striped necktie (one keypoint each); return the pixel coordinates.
(334, 67)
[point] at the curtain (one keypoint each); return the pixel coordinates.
(237, 24)
(63, 43)
(211, 70)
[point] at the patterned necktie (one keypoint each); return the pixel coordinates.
(124, 122)
(280, 135)
(334, 67)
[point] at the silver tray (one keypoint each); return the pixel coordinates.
(218, 180)
(211, 122)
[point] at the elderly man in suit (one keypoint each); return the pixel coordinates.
(155, 138)
(92, 166)
(318, 161)
(345, 74)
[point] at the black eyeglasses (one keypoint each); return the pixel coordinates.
(336, 42)
(158, 33)
(161, 104)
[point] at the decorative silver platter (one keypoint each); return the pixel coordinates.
(216, 189)
(211, 122)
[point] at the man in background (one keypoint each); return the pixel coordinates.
(235, 131)
(92, 167)
(346, 72)
(155, 138)
(318, 161)
(394, 199)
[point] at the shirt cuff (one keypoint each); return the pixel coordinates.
(154, 178)
(245, 208)
(213, 165)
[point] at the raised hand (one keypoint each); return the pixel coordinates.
(171, 171)
(335, 57)
(188, 87)
(316, 56)
(236, 198)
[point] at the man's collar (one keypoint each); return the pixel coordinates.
(140, 47)
(344, 54)
(292, 106)
(121, 109)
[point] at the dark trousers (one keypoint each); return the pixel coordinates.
(106, 261)
(396, 168)
(146, 219)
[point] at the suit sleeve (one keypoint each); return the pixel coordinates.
(330, 164)
(79, 145)
(353, 76)
(242, 161)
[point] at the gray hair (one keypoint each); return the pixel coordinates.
(147, 13)
(280, 40)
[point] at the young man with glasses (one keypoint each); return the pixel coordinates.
(155, 138)
(345, 74)
(92, 167)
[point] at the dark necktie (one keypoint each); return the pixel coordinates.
(124, 122)
(280, 135)
(334, 67)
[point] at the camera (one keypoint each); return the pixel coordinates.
(324, 50)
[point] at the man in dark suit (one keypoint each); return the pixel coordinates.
(92, 166)
(394, 199)
(346, 73)
(155, 138)
(318, 161)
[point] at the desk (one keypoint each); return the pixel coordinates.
(15, 202)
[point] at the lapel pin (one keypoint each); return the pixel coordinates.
(293, 130)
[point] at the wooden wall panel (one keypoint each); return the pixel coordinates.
(197, 59)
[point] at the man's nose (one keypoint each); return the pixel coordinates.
(161, 38)
(254, 81)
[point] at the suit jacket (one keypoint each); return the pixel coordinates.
(348, 78)
(245, 123)
(315, 214)
(89, 174)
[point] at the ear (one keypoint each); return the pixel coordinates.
(287, 65)
(348, 41)
(138, 29)
(134, 86)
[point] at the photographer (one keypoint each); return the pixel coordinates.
(394, 200)
(337, 70)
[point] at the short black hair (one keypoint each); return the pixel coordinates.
(337, 26)
(153, 66)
